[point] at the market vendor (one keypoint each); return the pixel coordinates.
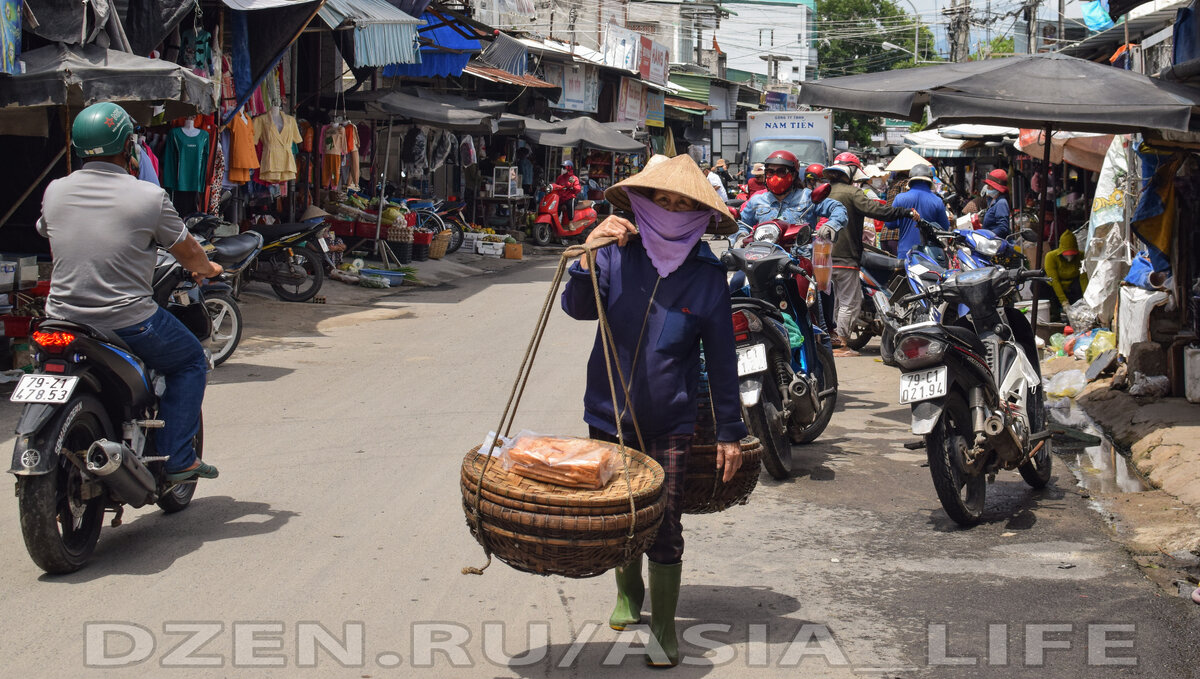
(1064, 267)
(995, 192)
(664, 292)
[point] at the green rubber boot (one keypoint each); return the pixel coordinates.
(664, 595)
(631, 591)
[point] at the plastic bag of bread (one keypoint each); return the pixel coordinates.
(561, 460)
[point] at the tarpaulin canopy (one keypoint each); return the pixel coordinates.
(78, 76)
(511, 123)
(1026, 91)
(1081, 149)
(934, 144)
(260, 32)
(445, 56)
(382, 34)
(588, 132)
(430, 112)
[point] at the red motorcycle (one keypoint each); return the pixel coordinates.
(548, 226)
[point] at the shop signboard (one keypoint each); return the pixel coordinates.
(580, 86)
(10, 36)
(776, 101)
(660, 57)
(631, 105)
(621, 47)
(647, 46)
(655, 109)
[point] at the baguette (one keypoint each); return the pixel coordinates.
(570, 462)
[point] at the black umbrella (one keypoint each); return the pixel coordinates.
(1050, 91)
(589, 133)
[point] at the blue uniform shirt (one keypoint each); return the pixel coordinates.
(928, 205)
(996, 217)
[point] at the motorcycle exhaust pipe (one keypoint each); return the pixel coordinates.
(804, 399)
(120, 470)
(799, 387)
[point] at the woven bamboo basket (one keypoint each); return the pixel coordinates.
(703, 490)
(437, 248)
(554, 530)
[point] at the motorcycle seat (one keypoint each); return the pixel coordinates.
(274, 232)
(885, 262)
(234, 249)
(967, 337)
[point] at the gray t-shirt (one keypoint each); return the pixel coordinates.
(105, 227)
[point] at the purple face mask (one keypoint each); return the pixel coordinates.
(668, 236)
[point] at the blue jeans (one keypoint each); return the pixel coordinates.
(165, 345)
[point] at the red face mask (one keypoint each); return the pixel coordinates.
(780, 183)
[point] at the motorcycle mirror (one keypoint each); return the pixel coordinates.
(820, 193)
(1029, 235)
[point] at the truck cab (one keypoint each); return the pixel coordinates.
(807, 134)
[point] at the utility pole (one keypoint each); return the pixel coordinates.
(1062, 11)
(962, 30)
(1031, 12)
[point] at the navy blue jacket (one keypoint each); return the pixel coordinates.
(931, 208)
(996, 218)
(692, 304)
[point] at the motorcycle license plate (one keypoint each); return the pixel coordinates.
(752, 359)
(923, 385)
(323, 244)
(43, 389)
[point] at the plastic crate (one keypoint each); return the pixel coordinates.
(16, 326)
(489, 249)
(367, 229)
(422, 238)
(341, 227)
(420, 253)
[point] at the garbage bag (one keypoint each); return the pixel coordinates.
(1102, 342)
(1058, 340)
(1066, 384)
(1082, 316)
(1150, 385)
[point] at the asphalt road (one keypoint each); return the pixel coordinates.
(332, 543)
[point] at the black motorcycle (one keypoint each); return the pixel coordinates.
(86, 438)
(234, 253)
(975, 389)
(788, 396)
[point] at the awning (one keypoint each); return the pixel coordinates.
(445, 50)
(588, 132)
(696, 87)
(511, 123)
(497, 75)
(428, 111)
(382, 34)
(930, 144)
(688, 106)
(1101, 45)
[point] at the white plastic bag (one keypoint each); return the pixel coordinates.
(1066, 384)
(1082, 316)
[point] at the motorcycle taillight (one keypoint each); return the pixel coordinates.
(916, 351)
(741, 326)
(53, 342)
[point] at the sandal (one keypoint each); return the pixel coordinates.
(199, 470)
(845, 352)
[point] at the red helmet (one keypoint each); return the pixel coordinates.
(786, 158)
(814, 171)
(848, 159)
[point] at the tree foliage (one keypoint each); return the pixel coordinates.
(849, 40)
(1000, 46)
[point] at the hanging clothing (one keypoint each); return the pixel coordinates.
(186, 160)
(333, 146)
(217, 181)
(242, 156)
(352, 162)
(146, 170)
(277, 163)
(150, 155)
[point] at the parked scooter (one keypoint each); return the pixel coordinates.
(787, 396)
(85, 440)
(975, 389)
(233, 253)
(881, 275)
(548, 225)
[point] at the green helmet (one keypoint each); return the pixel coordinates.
(101, 130)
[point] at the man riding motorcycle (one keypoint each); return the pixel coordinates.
(105, 227)
(789, 201)
(571, 188)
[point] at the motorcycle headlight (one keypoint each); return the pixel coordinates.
(987, 247)
(767, 232)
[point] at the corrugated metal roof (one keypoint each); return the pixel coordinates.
(688, 104)
(698, 86)
(382, 34)
(498, 75)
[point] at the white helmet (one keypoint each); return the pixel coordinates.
(843, 170)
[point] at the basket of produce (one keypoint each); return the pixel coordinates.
(441, 241)
(703, 490)
(525, 516)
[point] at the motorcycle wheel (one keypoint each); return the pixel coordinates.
(456, 234)
(59, 527)
(961, 494)
(887, 345)
(859, 336)
(827, 405)
(226, 326)
(777, 457)
(180, 495)
(304, 259)
(541, 233)
(1036, 471)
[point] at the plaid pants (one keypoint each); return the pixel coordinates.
(670, 452)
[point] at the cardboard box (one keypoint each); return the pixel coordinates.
(489, 249)
(512, 250)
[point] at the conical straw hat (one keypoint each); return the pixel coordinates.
(679, 175)
(905, 160)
